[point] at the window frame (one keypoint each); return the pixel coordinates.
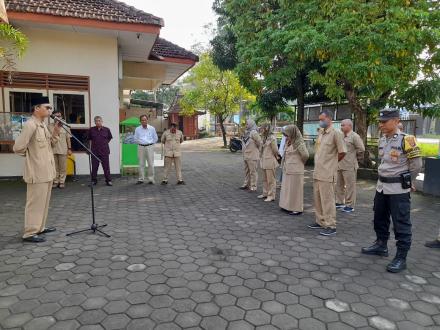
(7, 90)
(86, 124)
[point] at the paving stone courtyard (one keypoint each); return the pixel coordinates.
(208, 256)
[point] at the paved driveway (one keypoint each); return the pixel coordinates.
(208, 256)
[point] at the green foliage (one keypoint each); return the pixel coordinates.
(13, 45)
(214, 90)
(164, 94)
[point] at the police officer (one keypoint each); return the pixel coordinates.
(400, 162)
(171, 140)
(35, 144)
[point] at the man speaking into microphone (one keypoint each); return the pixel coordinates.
(35, 144)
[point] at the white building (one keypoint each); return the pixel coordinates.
(83, 54)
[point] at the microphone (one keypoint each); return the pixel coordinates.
(61, 121)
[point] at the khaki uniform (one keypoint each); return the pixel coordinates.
(347, 170)
(328, 145)
(398, 154)
(60, 150)
(172, 152)
(35, 144)
(269, 164)
(292, 186)
(251, 155)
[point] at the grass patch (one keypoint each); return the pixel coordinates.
(429, 149)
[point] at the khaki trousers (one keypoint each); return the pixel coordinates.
(168, 162)
(324, 197)
(269, 183)
(251, 174)
(346, 187)
(60, 165)
(37, 206)
(146, 154)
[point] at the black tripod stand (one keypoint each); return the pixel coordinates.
(94, 227)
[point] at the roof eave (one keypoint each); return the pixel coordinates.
(90, 23)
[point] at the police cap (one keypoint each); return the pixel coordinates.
(389, 113)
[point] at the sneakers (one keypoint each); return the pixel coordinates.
(328, 232)
(314, 226)
(348, 209)
(261, 196)
(339, 206)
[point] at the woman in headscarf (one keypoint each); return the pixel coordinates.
(292, 186)
(251, 154)
(269, 163)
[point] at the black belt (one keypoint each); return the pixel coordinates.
(395, 179)
(146, 145)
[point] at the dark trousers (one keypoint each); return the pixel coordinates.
(105, 166)
(398, 207)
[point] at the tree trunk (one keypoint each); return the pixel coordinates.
(299, 86)
(360, 116)
(360, 119)
(222, 127)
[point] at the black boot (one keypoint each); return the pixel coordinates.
(399, 262)
(379, 248)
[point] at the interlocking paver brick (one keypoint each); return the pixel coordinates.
(208, 256)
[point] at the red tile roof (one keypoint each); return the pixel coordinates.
(164, 48)
(102, 10)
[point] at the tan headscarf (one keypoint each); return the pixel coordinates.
(297, 141)
(250, 126)
(266, 131)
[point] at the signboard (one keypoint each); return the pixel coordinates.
(3, 14)
(11, 125)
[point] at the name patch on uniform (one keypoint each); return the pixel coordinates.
(394, 154)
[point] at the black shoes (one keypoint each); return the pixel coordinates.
(315, 226)
(140, 182)
(328, 232)
(181, 182)
(164, 182)
(244, 188)
(47, 230)
(295, 213)
(433, 244)
(109, 183)
(399, 262)
(379, 248)
(34, 239)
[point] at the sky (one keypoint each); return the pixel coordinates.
(184, 20)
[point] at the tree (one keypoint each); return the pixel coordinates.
(13, 44)
(372, 51)
(214, 90)
(164, 94)
(252, 38)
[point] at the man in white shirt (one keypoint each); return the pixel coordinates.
(146, 137)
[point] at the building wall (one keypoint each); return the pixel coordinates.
(70, 53)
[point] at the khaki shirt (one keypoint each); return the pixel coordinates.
(251, 147)
(35, 143)
(355, 147)
(294, 160)
(63, 144)
(172, 143)
(269, 154)
(328, 145)
(398, 154)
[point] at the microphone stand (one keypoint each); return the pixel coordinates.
(94, 227)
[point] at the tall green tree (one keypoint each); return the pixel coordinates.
(251, 37)
(217, 91)
(372, 52)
